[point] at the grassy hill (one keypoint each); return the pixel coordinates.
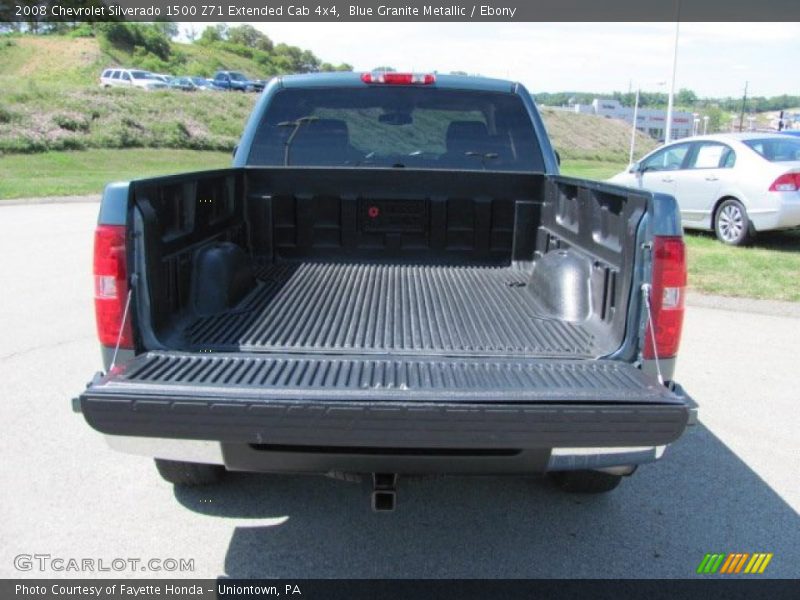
(50, 101)
(588, 137)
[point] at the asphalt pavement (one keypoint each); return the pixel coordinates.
(730, 485)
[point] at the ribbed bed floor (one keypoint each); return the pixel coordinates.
(369, 308)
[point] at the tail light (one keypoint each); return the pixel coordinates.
(392, 78)
(788, 182)
(111, 286)
(666, 297)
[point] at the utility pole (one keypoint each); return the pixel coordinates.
(668, 131)
(744, 102)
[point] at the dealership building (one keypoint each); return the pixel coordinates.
(651, 121)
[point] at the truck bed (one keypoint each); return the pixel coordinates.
(383, 262)
(314, 307)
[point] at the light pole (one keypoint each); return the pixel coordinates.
(668, 132)
(633, 128)
(636, 120)
(705, 124)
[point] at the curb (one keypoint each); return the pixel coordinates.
(772, 308)
(51, 200)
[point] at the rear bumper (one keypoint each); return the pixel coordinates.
(327, 459)
(783, 214)
(252, 458)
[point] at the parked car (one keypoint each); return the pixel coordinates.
(202, 83)
(137, 78)
(793, 132)
(371, 294)
(185, 84)
(735, 184)
(162, 77)
(235, 81)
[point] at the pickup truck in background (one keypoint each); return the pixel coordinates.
(392, 278)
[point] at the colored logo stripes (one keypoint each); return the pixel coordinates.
(735, 562)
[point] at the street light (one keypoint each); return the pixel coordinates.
(668, 132)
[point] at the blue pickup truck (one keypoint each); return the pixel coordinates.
(392, 278)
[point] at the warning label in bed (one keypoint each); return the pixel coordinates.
(393, 215)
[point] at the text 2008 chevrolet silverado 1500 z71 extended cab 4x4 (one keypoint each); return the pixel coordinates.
(392, 278)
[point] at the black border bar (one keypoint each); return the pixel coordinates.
(402, 10)
(713, 588)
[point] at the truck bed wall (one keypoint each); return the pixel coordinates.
(574, 246)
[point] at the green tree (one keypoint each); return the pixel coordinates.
(247, 35)
(211, 35)
(686, 97)
(169, 29)
(715, 118)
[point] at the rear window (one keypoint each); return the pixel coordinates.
(397, 127)
(776, 150)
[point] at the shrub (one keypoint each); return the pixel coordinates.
(82, 30)
(71, 123)
(130, 35)
(6, 116)
(69, 143)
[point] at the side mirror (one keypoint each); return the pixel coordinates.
(634, 168)
(235, 148)
(558, 158)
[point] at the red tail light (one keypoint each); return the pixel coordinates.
(667, 297)
(392, 78)
(788, 182)
(111, 286)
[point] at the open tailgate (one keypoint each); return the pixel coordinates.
(385, 402)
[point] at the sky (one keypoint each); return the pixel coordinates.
(714, 59)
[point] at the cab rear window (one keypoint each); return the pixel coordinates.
(397, 127)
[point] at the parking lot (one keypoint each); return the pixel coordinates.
(730, 485)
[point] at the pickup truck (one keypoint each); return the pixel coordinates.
(392, 278)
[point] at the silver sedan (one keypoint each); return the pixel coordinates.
(735, 184)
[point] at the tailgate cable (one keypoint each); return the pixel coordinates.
(646, 296)
(121, 329)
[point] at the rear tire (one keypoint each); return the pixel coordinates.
(585, 482)
(731, 224)
(189, 474)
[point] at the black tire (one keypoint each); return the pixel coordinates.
(189, 474)
(585, 482)
(731, 223)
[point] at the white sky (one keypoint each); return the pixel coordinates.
(714, 59)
